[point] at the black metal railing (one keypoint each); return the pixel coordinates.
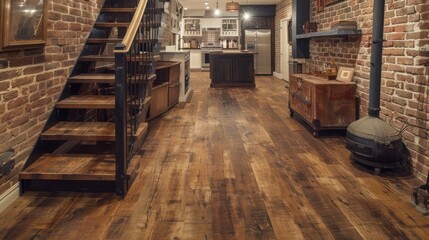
(134, 66)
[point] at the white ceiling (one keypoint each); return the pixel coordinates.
(199, 4)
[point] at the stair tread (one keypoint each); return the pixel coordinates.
(93, 78)
(88, 102)
(85, 131)
(124, 24)
(111, 58)
(98, 78)
(111, 24)
(129, 10)
(118, 10)
(104, 40)
(116, 40)
(108, 58)
(72, 167)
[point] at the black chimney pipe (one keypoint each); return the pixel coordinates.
(376, 54)
(372, 141)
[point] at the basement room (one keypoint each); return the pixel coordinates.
(214, 119)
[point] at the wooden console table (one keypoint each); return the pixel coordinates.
(323, 104)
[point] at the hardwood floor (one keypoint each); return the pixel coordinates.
(232, 164)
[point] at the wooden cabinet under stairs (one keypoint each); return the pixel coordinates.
(98, 124)
(165, 91)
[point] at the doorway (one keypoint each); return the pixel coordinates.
(284, 49)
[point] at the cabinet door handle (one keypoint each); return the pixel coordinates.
(301, 98)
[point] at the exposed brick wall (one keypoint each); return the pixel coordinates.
(166, 33)
(405, 91)
(283, 11)
(31, 84)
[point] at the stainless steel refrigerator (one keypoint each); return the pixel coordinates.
(259, 41)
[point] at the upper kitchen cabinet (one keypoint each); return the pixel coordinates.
(192, 27)
(229, 27)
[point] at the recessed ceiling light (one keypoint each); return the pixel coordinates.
(206, 3)
(207, 7)
(186, 8)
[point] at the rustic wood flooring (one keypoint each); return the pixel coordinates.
(232, 164)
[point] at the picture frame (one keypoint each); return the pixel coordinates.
(23, 24)
(329, 2)
(320, 5)
(345, 74)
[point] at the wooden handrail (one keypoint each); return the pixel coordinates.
(134, 26)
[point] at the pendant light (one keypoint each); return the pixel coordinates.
(232, 6)
(217, 11)
(246, 15)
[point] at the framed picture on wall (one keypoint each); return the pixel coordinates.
(320, 5)
(329, 2)
(23, 23)
(345, 74)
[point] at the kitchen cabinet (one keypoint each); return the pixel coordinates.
(182, 56)
(229, 27)
(323, 104)
(195, 59)
(192, 27)
(166, 88)
(159, 100)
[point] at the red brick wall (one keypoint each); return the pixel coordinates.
(31, 84)
(404, 92)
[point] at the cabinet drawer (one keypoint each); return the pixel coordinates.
(173, 94)
(300, 98)
(159, 103)
(174, 74)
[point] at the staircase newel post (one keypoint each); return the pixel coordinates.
(121, 119)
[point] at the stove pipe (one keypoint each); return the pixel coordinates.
(372, 141)
(376, 55)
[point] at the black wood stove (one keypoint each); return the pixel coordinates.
(372, 141)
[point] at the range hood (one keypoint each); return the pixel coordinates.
(202, 13)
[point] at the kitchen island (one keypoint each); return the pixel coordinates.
(182, 56)
(232, 69)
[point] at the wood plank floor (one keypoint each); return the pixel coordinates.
(232, 164)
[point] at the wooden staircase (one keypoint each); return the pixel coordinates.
(98, 123)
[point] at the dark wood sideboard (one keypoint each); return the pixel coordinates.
(323, 104)
(232, 69)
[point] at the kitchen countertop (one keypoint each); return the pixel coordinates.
(176, 51)
(234, 52)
